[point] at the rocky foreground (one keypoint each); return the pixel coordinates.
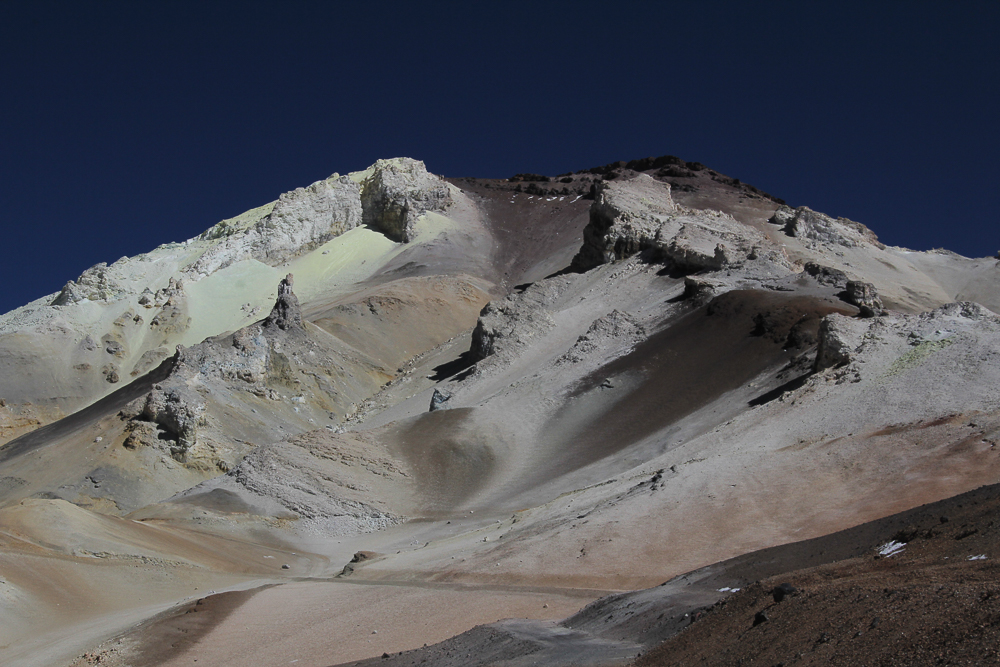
(474, 399)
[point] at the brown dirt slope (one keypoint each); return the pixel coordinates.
(936, 601)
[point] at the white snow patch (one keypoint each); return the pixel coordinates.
(891, 548)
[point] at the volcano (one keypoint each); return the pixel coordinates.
(642, 413)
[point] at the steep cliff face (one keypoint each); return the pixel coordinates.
(397, 193)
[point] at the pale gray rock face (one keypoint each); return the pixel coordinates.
(508, 324)
(300, 221)
(839, 337)
(397, 193)
(94, 284)
(815, 229)
(615, 330)
(639, 214)
(307, 218)
(624, 220)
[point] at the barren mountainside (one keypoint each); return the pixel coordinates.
(593, 418)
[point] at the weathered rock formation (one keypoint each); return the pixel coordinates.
(179, 411)
(300, 221)
(865, 297)
(817, 229)
(307, 218)
(286, 313)
(95, 284)
(639, 214)
(397, 193)
(839, 337)
(510, 323)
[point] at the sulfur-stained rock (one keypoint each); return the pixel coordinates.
(397, 193)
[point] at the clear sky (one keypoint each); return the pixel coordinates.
(124, 125)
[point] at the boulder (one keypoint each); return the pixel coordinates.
(865, 297)
(826, 275)
(178, 410)
(439, 399)
(839, 337)
(782, 591)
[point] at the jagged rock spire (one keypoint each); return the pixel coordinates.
(286, 313)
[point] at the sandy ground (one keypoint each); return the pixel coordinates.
(323, 623)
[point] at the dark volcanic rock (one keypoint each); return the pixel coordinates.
(826, 275)
(439, 400)
(864, 296)
(286, 313)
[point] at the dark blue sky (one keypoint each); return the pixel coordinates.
(124, 125)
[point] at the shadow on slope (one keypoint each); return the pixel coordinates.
(683, 368)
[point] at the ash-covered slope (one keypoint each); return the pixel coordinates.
(534, 387)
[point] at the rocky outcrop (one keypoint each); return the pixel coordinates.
(615, 332)
(307, 218)
(286, 313)
(624, 219)
(826, 275)
(967, 310)
(839, 337)
(510, 323)
(816, 229)
(179, 411)
(865, 297)
(300, 221)
(397, 193)
(95, 284)
(639, 214)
